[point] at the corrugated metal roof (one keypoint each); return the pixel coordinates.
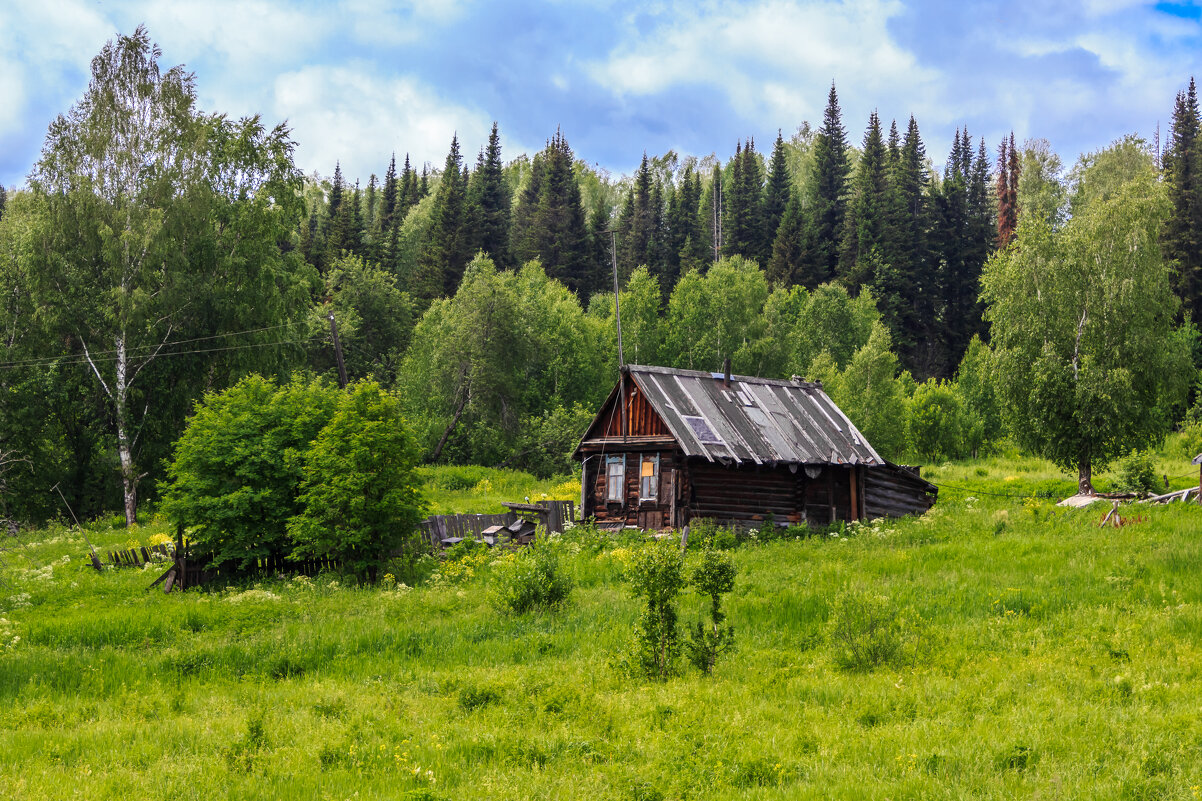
(754, 420)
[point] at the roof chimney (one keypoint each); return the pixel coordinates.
(726, 372)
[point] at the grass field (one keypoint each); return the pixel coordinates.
(1039, 656)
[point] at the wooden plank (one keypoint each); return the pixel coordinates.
(855, 504)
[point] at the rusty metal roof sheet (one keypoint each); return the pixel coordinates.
(754, 420)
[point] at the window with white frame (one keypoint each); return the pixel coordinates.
(649, 477)
(615, 478)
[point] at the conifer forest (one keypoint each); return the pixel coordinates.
(159, 253)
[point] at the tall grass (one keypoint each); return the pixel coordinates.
(1043, 657)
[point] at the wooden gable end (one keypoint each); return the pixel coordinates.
(641, 419)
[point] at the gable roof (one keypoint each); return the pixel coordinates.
(755, 420)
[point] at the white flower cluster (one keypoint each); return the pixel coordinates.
(8, 640)
(255, 594)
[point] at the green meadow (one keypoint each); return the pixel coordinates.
(1035, 655)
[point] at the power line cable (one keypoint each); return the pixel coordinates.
(974, 491)
(137, 348)
(74, 359)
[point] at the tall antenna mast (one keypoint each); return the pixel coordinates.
(1157, 145)
(613, 238)
(717, 215)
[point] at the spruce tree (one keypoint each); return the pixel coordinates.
(827, 202)
(560, 233)
(777, 191)
(1182, 235)
(354, 238)
(407, 192)
(957, 276)
(447, 250)
(337, 221)
(905, 281)
(636, 224)
(742, 204)
(788, 248)
(370, 203)
(522, 238)
(388, 200)
(491, 203)
(686, 243)
(864, 229)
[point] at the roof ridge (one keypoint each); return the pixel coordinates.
(746, 379)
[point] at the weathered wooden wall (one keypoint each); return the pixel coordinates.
(641, 419)
(745, 493)
(892, 491)
(634, 511)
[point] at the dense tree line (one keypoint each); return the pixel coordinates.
(916, 240)
(141, 272)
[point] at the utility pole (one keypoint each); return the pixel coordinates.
(613, 238)
(717, 204)
(338, 353)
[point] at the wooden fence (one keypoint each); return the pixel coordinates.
(440, 527)
(137, 557)
(184, 572)
(551, 515)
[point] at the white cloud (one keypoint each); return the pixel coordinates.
(389, 22)
(43, 44)
(351, 115)
(775, 60)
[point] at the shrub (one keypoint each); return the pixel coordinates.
(473, 697)
(1190, 439)
(710, 534)
(867, 632)
(656, 575)
(531, 579)
(238, 467)
(713, 578)
(360, 498)
(939, 426)
(1136, 472)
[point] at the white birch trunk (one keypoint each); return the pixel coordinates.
(129, 479)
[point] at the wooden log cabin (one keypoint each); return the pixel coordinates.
(671, 445)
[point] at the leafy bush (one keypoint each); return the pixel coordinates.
(360, 498)
(711, 534)
(867, 632)
(940, 427)
(713, 578)
(1190, 439)
(474, 697)
(1136, 472)
(656, 575)
(238, 467)
(531, 579)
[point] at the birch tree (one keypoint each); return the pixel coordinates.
(1089, 365)
(163, 224)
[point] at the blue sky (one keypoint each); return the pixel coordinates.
(358, 79)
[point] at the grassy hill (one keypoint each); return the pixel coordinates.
(1037, 655)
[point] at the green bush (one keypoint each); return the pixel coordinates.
(713, 578)
(940, 428)
(237, 469)
(656, 576)
(1136, 472)
(360, 499)
(1190, 439)
(531, 579)
(867, 632)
